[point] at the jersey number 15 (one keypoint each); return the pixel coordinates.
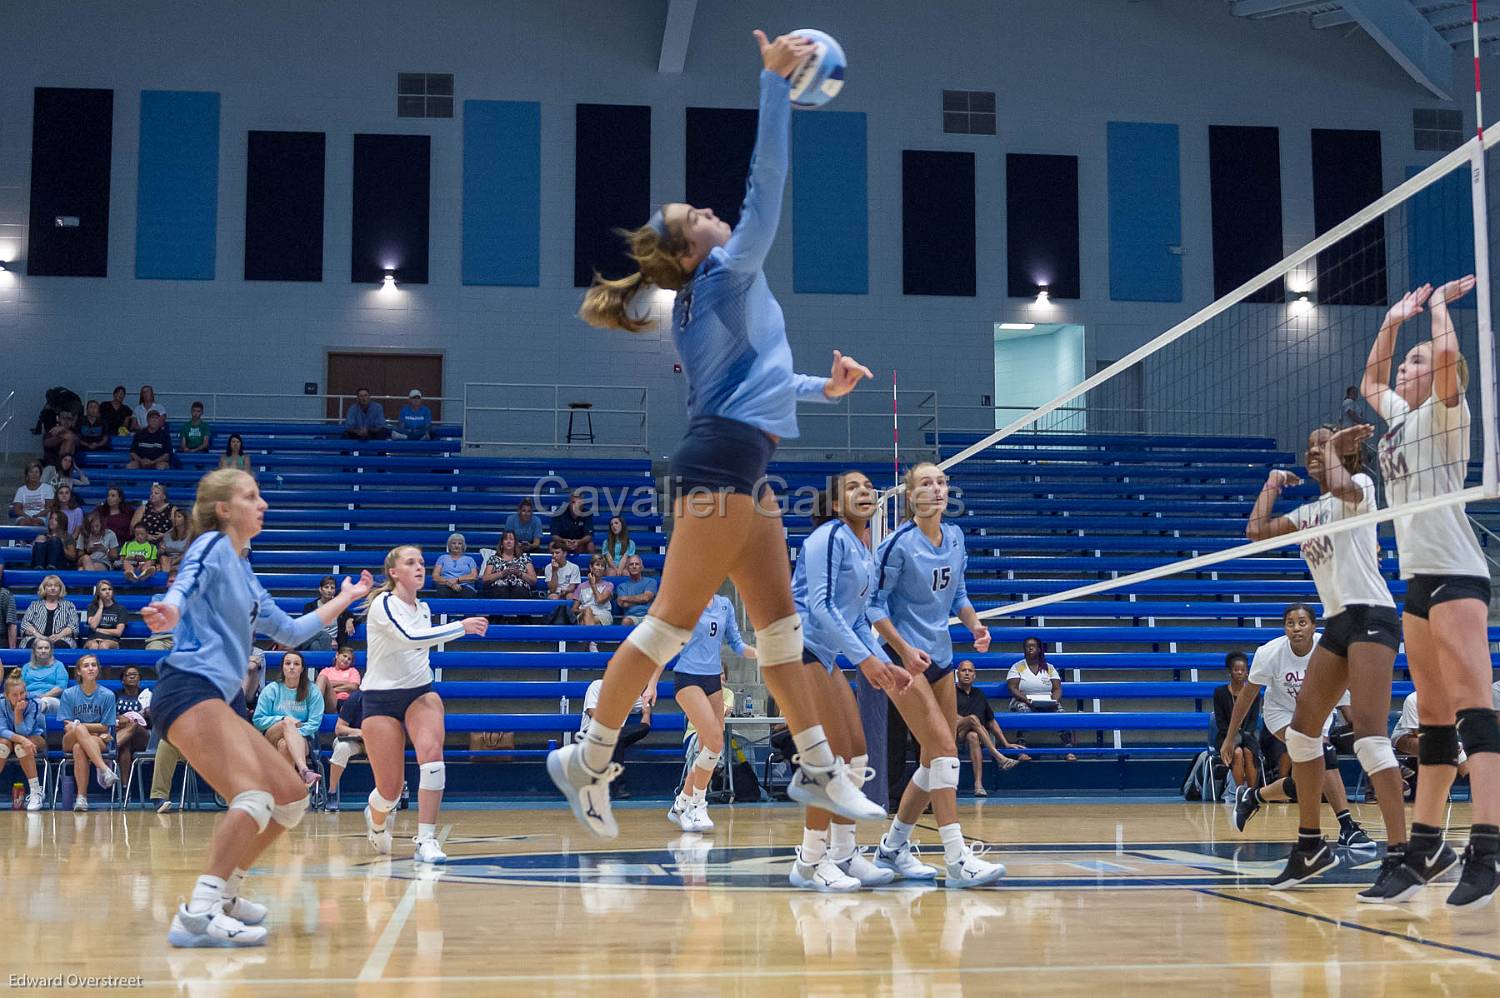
(941, 577)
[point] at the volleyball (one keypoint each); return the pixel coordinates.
(821, 76)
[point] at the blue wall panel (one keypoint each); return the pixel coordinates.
(1440, 232)
(830, 213)
(1145, 212)
(177, 193)
(502, 192)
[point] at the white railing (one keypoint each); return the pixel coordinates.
(546, 416)
(283, 407)
(862, 423)
(7, 423)
(1095, 419)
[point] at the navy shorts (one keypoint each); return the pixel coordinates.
(1352, 625)
(809, 657)
(720, 455)
(1424, 592)
(176, 692)
(934, 673)
(711, 685)
(393, 703)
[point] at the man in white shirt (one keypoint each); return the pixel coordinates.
(637, 726)
(562, 578)
(29, 508)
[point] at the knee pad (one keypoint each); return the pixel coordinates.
(343, 751)
(859, 770)
(1375, 754)
(1437, 745)
(1479, 730)
(1330, 758)
(258, 804)
(1303, 748)
(780, 641)
(4, 751)
(708, 760)
(434, 776)
(379, 803)
(1289, 787)
(922, 779)
(657, 640)
(945, 773)
(290, 815)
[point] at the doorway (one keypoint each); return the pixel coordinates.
(1034, 363)
(388, 376)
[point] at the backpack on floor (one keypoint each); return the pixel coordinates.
(1205, 768)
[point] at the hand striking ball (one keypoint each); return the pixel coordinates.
(821, 76)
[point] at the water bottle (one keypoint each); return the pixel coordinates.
(749, 705)
(17, 796)
(552, 745)
(67, 794)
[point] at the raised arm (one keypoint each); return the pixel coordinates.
(1446, 383)
(1262, 524)
(1341, 482)
(1376, 381)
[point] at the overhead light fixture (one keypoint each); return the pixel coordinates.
(1017, 325)
(390, 279)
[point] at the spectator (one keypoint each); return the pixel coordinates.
(348, 742)
(978, 728)
(508, 572)
(155, 515)
(50, 615)
(637, 726)
(562, 579)
(8, 618)
(255, 678)
(133, 733)
(64, 472)
(174, 545)
(29, 507)
(527, 527)
(290, 712)
(23, 733)
(138, 556)
(61, 439)
(88, 716)
(94, 430)
(106, 617)
(1035, 686)
(617, 545)
(1237, 746)
(591, 598)
(635, 594)
(162, 641)
(197, 436)
(573, 526)
(116, 514)
(66, 502)
(1349, 410)
(366, 419)
(151, 447)
(336, 634)
(147, 404)
(54, 549)
(339, 680)
(414, 419)
(234, 454)
(116, 414)
(97, 546)
(45, 677)
(456, 572)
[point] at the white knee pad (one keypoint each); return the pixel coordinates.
(859, 770)
(707, 760)
(379, 803)
(434, 776)
(1303, 748)
(345, 749)
(922, 779)
(944, 773)
(290, 815)
(1375, 754)
(780, 641)
(4, 751)
(258, 804)
(657, 640)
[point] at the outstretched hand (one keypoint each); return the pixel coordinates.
(1283, 479)
(784, 54)
(1347, 440)
(355, 590)
(846, 375)
(160, 617)
(1453, 290)
(1410, 305)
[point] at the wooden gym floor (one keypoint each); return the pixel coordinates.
(1101, 899)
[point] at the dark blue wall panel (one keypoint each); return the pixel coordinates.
(1145, 212)
(1244, 174)
(502, 192)
(1041, 225)
(392, 200)
(284, 206)
(937, 223)
(1347, 177)
(71, 132)
(177, 192)
(1440, 232)
(720, 141)
(611, 187)
(830, 204)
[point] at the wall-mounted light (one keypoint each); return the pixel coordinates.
(389, 282)
(1042, 297)
(1302, 304)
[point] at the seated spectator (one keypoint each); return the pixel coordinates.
(45, 677)
(1404, 737)
(151, 447)
(61, 439)
(1237, 748)
(33, 498)
(414, 419)
(234, 454)
(162, 641)
(94, 431)
(573, 526)
(338, 680)
(617, 545)
(50, 616)
(456, 573)
(116, 414)
(1036, 686)
(116, 513)
(133, 732)
(98, 548)
(88, 716)
(140, 416)
(174, 545)
(508, 573)
(66, 502)
(197, 436)
(106, 617)
(9, 619)
(138, 556)
(562, 579)
(333, 635)
(348, 742)
(255, 679)
(637, 725)
(592, 596)
(366, 419)
(54, 549)
(634, 595)
(23, 733)
(290, 711)
(978, 728)
(155, 515)
(526, 525)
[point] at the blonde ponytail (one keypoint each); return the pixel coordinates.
(213, 488)
(606, 303)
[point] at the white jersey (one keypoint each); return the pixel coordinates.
(1345, 567)
(1409, 721)
(399, 637)
(1425, 454)
(1281, 672)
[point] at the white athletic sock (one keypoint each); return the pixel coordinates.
(953, 842)
(599, 746)
(35, 784)
(427, 831)
(813, 747)
(207, 892)
(840, 842)
(814, 845)
(235, 882)
(897, 835)
(700, 794)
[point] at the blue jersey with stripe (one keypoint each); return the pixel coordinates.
(95, 708)
(918, 587)
(832, 585)
(33, 719)
(223, 606)
(700, 656)
(726, 324)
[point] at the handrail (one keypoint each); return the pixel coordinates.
(538, 420)
(1079, 418)
(7, 417)
(282, 407)
(916, 421)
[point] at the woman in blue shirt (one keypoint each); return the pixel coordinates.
(214, 610)
(742, 400)
(88, 714)
(23, 733)
(45, 677)
(289, 712)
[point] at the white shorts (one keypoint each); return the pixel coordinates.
(1276, 720)
(602, 614)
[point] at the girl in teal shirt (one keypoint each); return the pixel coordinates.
(290, 712)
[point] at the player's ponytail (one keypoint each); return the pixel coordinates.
(607, 304)
(213, 488)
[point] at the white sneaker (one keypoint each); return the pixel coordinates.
(380, 838)
(904, 862)
(680, 813)
(832, 790)
(244, 910)
(428, 851)
(107, 778)
(824, 875)
(167, 807)
(973, 871)
(587, 793)
(34, 800)
(866, 872)
(212, 929)
(80, 803)
(699, 817)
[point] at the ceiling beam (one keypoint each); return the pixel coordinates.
(676, 34)
(1408, 38)
(1257, 8)
(1332, 19)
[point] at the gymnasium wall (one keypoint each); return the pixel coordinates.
(176, 308)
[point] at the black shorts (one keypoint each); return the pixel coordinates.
(393, 703)
(809, 657)
(711, 685)
(1424, 592)
(720, 455)
(934, 673)
(1375, 625)
(177, 692)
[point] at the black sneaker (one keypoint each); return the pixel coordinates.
(1303, 865)
(1245, 806)
(1354, 838)
(1477, 882)
(1416, 871)
(1390, 869)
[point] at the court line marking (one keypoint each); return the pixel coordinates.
(380, 953)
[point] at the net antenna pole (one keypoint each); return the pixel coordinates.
(1482, 275)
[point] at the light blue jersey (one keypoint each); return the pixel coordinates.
(33, 720)
(223, 606)
(98, 708)
(918, 587)
(832, 586)
(700, 656)
(726, 324)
